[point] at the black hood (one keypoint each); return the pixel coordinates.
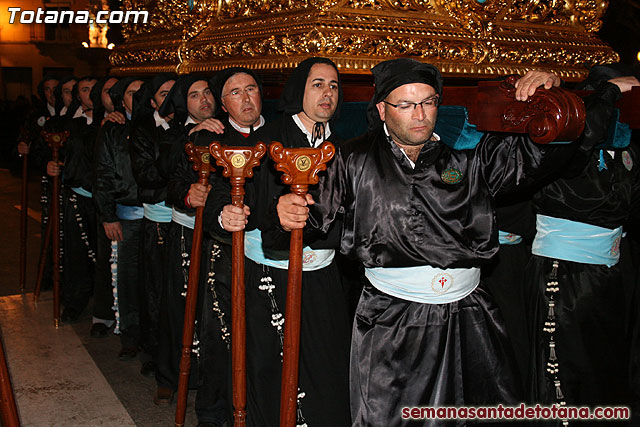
(391, 74)
(41, 88)
(142, 99)
(75, 103)
(293, 92)
(116, 92)
(220, 78)
(96, 98)
(176, 100)
(58, 93)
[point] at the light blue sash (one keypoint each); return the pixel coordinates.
(129, 213)
(158, 212)
(81, 191)
(508, 238)
(425, 284)
(183, 218)
(312, 259)
(559, 238)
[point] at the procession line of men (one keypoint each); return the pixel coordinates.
(414, 216)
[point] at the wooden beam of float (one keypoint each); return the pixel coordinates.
(238, 164)
(300, 167)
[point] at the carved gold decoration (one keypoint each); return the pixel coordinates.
(462, 37)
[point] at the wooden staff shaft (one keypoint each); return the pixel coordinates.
(289, 392)
(23, 222)
(202, 166)
(8, 409)
(42, 262)
(238, 318)
(55, 237)
(189, 318)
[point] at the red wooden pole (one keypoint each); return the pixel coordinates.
(42, 261)
(55, 141)
(301, 167)
(200, 158)
(238, 163)
(23, 222)
(8, 409)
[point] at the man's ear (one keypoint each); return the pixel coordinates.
(381, 110)
(153, 104)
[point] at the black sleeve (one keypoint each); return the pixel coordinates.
(104, 166)
(145, 157)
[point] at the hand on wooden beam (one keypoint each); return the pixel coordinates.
(527, 85)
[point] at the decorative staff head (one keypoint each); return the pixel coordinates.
(55, 140)
(300, 166)
(201, 159)
(238, 162)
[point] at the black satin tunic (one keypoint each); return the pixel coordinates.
(398, 216)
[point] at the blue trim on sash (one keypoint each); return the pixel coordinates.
(312, 259)
(183, 218)
(506, 238)
(81, 191)
(158, 212)
(574, 241)
(129, 213)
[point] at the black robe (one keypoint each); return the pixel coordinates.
(594, 307)
(406, 353)
(324, 347)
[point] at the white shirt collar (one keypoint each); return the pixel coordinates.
(327, 131)
(246, 130)
(189, 121)
(160, 121)
(63, 111)
(80, 113)
(413, 165)
(52, 110)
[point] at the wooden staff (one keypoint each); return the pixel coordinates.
(8, 409)
(23, 222)
(42, 262)
(55, 141)
(199, 156)
(300, 167)
(238, 163)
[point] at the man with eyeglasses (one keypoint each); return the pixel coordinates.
(420, 216)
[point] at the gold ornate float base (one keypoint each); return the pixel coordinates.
(464, 38)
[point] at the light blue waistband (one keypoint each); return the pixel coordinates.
(567, 240)
(506, 238)
(425, 284)
(158, 212)
(312, 259)
(81, 191)
(129, 213)
(185, 219)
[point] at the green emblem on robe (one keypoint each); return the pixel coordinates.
(451, 176)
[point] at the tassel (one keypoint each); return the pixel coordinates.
(559, 395)
(601, 164)
(114, 282)
(552, 351)
(551, 313)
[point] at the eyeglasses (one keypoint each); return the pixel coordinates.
(237, 93)
(405, 107)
